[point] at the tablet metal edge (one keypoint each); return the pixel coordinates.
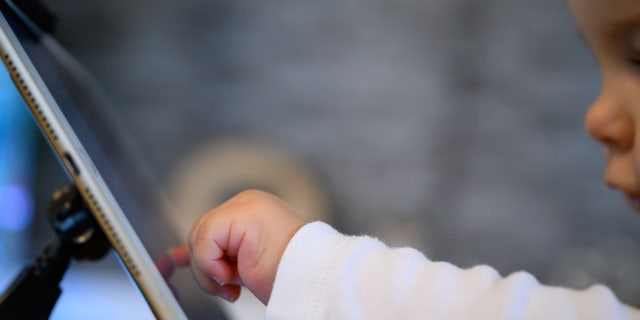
(92, 187)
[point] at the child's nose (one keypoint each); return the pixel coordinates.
(610, 124)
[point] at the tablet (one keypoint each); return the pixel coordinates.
(74, 117)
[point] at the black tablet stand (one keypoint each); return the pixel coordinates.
(34, 292)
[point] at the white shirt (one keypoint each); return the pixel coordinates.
(326, 275)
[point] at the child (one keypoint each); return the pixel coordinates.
(310, 271)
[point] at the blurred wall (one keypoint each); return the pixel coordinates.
(451, 126)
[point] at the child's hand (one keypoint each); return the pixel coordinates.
(239, 243)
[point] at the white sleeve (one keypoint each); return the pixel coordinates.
(326, 275)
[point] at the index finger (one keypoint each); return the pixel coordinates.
(180, 255)
(175, 257)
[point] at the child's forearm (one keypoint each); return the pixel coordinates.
(326, 275)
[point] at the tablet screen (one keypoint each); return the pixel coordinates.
(88, 114)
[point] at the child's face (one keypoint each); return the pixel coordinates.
(611, 28)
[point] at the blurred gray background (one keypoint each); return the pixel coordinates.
(451, 126)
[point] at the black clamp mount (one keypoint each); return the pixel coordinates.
(35, 291)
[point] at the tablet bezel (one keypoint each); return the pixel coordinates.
(81, 169)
